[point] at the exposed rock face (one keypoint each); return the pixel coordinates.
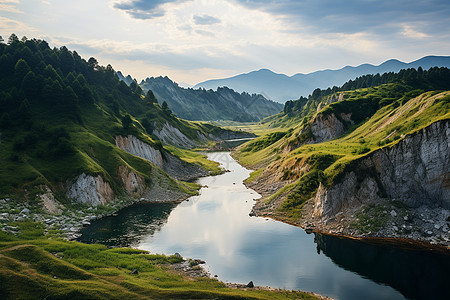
(179, 169)
(415, 171)
(134, 183)
(49, 203)
(174, 166)
(136, 147)
(90, 190)
(326, 127)
(173, 136)
(323, 128)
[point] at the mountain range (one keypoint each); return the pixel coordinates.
(280, 87)
(208, 105)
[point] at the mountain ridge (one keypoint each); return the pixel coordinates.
(300, 84)
(208, 105)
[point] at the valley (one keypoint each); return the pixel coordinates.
(88, 154)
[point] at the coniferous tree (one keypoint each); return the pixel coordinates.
(150, 97)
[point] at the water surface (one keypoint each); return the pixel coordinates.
(215, 227)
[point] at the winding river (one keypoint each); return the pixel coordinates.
(215, 227)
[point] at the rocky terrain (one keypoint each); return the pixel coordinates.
(66, 221)
(401, 191)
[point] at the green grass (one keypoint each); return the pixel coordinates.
(254, 175)
(327, 162)
(39, 267)
(27, 161)
(195, 157)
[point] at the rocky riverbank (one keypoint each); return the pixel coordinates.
(386, 219)
(69, 219)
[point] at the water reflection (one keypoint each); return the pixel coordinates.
(215, 227)
(129, 226)
(417, 274)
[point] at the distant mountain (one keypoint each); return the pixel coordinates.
(280, 87)
(208, 105)
(128, 80)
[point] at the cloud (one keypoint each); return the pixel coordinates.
(144, 9)
(353, 16)
(204, 33)
(206, 20)
(410, 32)
(9, 25)
(10, 6)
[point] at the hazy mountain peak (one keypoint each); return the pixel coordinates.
(280, 87)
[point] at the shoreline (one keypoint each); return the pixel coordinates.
(395, 242)
(309, 225)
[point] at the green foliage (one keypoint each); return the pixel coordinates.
(150, 97)
(126, 121)
(406, 84)
(384, 116)
(209, 105)
(305, 189)
(263, 142)
(60, 115)
(38, 267)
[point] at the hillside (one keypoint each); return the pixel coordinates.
(362, 162)
(280, 87)
(209, 105)
(72, 132)
(34, 266)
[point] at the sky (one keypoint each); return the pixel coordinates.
(191, 41)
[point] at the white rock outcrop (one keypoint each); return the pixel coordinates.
(134, 146)
(173, 136)
(174, 166)
(90, 190)
(416, 171)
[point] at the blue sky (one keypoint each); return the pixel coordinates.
(195, 40)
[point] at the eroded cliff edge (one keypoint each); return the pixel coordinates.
(399, 191)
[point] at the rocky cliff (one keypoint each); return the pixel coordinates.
(134, 183)
(173, 136)
(322, 128)
(90, 190)
(326, 127)
(136, 147)
(415, 172)
(399, 191)
(174, 166)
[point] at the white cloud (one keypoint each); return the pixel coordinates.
(19, 28)
(409, 32)
(10, 6)
(194, 40)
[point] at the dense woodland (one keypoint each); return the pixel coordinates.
(60, 115)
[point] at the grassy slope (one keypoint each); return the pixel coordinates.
(327, 161)
(37, 267)
(94, 153)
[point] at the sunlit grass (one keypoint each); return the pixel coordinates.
(34, 266)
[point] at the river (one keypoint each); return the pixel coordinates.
(216, 227)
